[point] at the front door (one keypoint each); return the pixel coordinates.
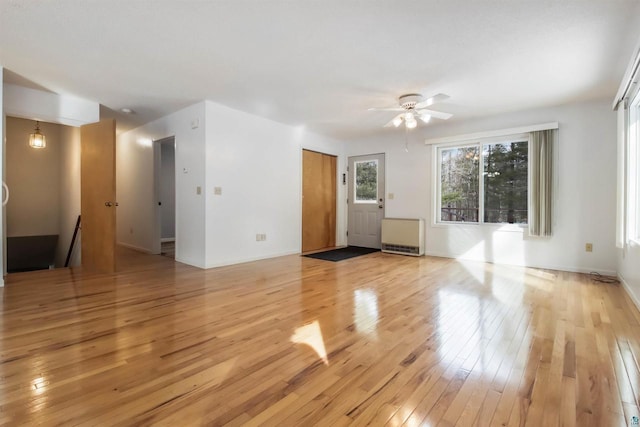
(318, 200)
(366, 200)
(98, 195)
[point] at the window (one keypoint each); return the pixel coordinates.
(484, 182)
(366, 187)
(459, 194)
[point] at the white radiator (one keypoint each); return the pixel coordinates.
(403, 236)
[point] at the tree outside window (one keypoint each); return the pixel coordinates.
(503, 183)
(366, 181)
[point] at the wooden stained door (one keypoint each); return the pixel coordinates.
(98, 195)
(366, 200)
(318, 201)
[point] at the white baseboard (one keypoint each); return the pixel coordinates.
(629, 292)
(135, 248)
(2, 282)
(543, 267)
(167, 239)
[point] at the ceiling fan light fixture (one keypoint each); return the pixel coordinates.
(37, 139)
(397, 121)
(410, 122)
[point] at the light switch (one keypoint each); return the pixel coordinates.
(198, 190)
(390, 197)
(217, 191)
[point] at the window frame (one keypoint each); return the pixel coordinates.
(633, 171)
(480, 143)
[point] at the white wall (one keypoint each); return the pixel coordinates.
(584, 201)
(258, 165)
(33, 177)
(69, 195)
(136, 225)
(50, 107)
(629, 271)
(167, 191)
(256, 162)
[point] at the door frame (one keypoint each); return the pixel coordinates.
(349, 179)
(157, 217)
(340, 192)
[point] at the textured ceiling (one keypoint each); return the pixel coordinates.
(320, 63)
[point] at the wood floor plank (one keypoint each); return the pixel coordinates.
(376, 340)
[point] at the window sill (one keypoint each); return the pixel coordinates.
(511, 228)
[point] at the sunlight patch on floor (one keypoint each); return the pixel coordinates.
(311, 335)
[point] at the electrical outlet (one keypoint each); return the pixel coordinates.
(264, 237)
(258, 237)
(217, 191)
(198, 190)
(588, 247)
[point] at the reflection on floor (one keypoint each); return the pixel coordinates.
(379, 339)
(168, 249)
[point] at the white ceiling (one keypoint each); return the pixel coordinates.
(320, 63)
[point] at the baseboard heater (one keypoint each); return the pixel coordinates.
(403, 236)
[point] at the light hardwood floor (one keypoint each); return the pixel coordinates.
(294, 341)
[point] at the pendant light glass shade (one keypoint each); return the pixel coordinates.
(36, 139)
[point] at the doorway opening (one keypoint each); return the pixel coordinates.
(165, 184)
(44, 200)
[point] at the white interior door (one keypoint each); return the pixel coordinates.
(366, 200)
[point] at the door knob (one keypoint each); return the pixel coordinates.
(108, 204)
(380, 206)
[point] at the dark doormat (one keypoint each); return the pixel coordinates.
(342, 253)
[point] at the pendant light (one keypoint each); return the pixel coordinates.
(36, 139)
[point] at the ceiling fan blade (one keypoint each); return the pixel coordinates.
(386, 109)
(396, 121)
(426, 118)
(436, 114)
(434, 99)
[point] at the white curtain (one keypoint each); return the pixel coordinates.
(541, 173)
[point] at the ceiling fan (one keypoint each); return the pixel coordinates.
(413, 106)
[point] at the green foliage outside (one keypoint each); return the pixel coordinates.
(459, 184)
(366, 181)
(505, 182)
(505, 178)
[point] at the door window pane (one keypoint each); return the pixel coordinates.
(366, 179)
(459, 191)
(505, 179)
